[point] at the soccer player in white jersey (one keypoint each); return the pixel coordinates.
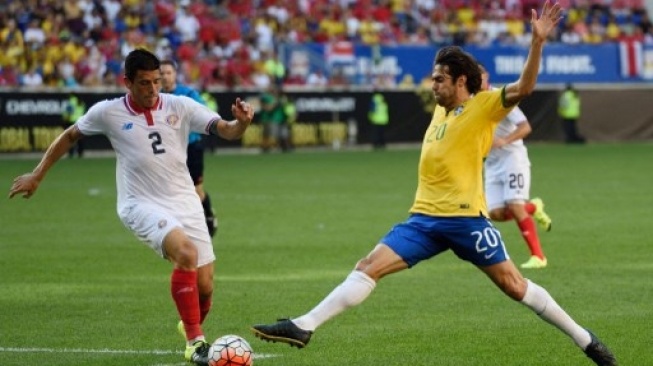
(156, 196)
(508, 181)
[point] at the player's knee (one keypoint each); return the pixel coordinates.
(498, 214)
(186, 256)
(362, 264)
(517, 210)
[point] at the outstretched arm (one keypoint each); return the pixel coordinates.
(235, 129)
(523, 129)
(542, 27)
(28, 183)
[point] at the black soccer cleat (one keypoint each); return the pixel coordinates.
(599, 352)
(284, 331)
(198, 353)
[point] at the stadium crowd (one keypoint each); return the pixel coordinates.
(82, 43)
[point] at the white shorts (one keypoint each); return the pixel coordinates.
(507, 179)
(151, 223)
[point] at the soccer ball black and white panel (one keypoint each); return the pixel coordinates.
(231, 350)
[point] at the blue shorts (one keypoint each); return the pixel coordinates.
(421, 237)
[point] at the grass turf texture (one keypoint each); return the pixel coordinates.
(291, 228)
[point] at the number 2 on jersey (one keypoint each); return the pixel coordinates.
(156, 143)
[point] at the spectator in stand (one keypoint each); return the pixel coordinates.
(369, 30)
(8, 76)
(95, 65)
(263, 30)
(32, 78)
(163, 49)
(186, 23)
(12, 43)
(260, 78)
(111, 9)
(596, 32)
(73, 14)
(66, 70)
(34, 35)
(317, 79)
(569, 36)
(239, 70)
(352, 23)
(332, 26)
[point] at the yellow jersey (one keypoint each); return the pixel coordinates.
(451, 163)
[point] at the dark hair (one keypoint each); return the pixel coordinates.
(482, 68)
(140, 60)
(458, 63)
(169, 63)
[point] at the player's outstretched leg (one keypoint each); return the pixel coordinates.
(599, 352)
(297, 332)
(198, 353)
(541, 302)
(540, 216)
(284, 330)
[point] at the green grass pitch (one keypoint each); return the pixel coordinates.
(76, 288)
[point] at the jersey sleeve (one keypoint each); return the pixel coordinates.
(516, 116)
(492, 102)
(91, 122)
(200, 116)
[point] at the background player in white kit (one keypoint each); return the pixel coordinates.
(508, 181)
(156, 196)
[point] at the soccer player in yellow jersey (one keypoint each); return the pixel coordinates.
(450, 212)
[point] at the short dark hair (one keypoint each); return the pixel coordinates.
(140, 60)
(459, 62)
(170, 63)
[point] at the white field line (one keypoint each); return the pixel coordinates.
(108, 351)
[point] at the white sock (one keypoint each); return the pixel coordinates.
(351, 292)
(539, 300)
(190, 342)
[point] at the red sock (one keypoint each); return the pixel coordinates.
(529, 232)
(183, 286)
(205, 307)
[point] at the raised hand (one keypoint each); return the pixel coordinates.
(25, 184)
(242, 111)
(548, 20)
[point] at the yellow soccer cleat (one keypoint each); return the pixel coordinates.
(534, 262)
(540, 216)
(181, 330)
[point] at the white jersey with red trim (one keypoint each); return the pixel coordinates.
(150, 146)
(505, 128)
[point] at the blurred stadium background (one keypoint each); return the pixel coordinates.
(328, 56)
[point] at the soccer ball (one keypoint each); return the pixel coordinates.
(231, 350)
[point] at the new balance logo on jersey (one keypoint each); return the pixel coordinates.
(127, 126)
